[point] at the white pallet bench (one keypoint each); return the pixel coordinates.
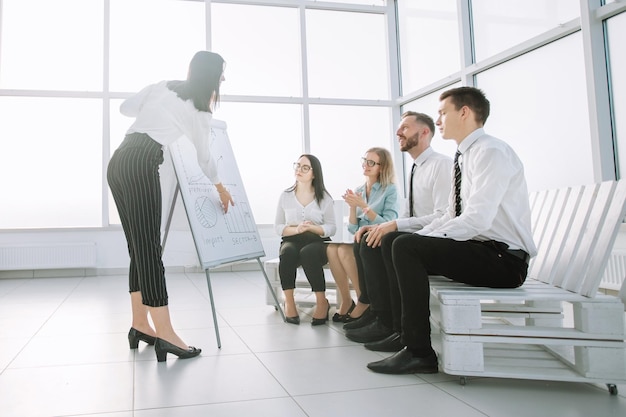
(556, 326)
(302, 293)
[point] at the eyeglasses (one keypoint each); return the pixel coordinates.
(303, 168)
(369, 162)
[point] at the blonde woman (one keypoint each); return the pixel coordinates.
(373, 202)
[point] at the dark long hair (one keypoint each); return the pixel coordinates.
(203, 80)
(318, 178)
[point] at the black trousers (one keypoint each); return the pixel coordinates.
(361, 271)
(133, 176)
(375, 279)
(306, 249)
(414, 257)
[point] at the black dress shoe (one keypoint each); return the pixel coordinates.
(373, 332)
(403, 362)
(134, 336)
(163, 347)
(389, 344)
(357, 322)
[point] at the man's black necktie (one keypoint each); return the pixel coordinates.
(411, 191)
(457, 184)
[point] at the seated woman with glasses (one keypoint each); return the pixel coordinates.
(305, 218)
(370, 203)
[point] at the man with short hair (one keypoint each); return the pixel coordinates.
(483, 239)
(429, 187)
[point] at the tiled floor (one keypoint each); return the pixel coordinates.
(64, 352)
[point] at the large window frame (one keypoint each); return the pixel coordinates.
(593, 15)
(591, 23)
(109, 96)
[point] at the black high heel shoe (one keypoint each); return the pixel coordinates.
(341, 318)
(293, 319)
(318, 322)
(134, 336)
(163, 347)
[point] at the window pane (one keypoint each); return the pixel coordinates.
(118, 126)
(429, 42)
(45, 47)
(340, 135)
(265, 145)
(616, 31)
(51, 175)
(266, 139)
(347, 55)
(499, 25)
(153, 40)
(265, 61)
(544, 114)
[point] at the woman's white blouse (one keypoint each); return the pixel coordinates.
(291, 213)
(163, 116)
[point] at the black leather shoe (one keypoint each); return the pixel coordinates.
(388, 344)
(373, 332)
(403, 362)
(163, 347)
(363, 320)
(134, 336)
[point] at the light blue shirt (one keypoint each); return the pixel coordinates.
(383, 201)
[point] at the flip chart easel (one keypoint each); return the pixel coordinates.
(220, 238)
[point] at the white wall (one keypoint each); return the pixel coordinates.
(112, 254)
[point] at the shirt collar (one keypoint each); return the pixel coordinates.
(470, 139)
(423, 156)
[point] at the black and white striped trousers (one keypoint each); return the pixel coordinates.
(133, 176)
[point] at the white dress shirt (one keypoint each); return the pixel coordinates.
(163, 116)
(432, 180)
(494, 196)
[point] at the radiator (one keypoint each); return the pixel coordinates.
(615, 271)
(47, 256)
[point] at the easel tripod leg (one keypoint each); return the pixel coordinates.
(217, 329)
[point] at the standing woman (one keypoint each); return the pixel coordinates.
(371, 203)
(163, 112)
(305, 218)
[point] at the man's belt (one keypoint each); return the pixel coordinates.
(518, 253)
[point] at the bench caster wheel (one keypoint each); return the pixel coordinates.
(612, 389)
(462, 380)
